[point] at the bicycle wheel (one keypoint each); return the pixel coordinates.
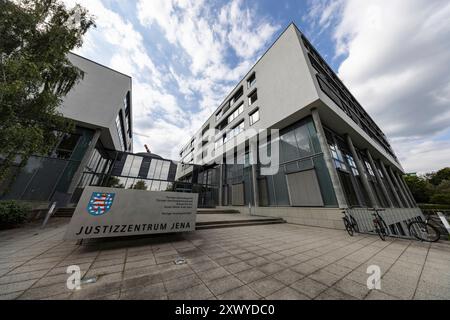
(381, 233)
(348, 226)
(383, 226)
(424, 231)
(354, 224)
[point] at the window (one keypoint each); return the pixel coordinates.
(235, 131)
(127, 107)
(251, 81)
(219, 114)
(67, 145)
(254, 117)
(236, 113)
(120, 130)
(369, 169)
(253, 97)
(237, 95)
(352, 164)
(336, 154)
(135, 167)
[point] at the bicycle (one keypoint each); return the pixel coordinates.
(381, 227)
(424, 231)
(350, 223)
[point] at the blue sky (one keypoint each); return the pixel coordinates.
(186, 55)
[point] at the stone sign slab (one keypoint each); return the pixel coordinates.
(108, 212)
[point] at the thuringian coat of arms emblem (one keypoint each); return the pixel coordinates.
(100, 203)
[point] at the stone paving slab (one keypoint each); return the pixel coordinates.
(287, 262)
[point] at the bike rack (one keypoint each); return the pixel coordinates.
(397, 220)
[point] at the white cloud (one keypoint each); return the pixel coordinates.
(197, 40)
(396, 62)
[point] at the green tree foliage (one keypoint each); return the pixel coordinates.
(35, 74)
(442, 193)
(432, 188)
(114, 182)
(12, 213)
(436, 178)
(421, 189)
(140, 185)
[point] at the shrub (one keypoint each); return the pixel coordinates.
(12, 213)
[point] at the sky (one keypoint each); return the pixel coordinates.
(185, 56)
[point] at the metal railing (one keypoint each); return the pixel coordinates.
(397, 220)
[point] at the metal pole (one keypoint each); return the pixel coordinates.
(49, 214)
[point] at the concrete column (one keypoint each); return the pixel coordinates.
(255, 186)
(380, 181)
(409, 193)
(220, 185)
(405, 189)
(87, 156)
(359, 196)
(342, 203)
(362, 172)
(390, 183)
(400, 190)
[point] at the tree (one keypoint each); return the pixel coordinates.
(114, 182)
(442, 193)
(35, 75)
(140, 185)
(421, 189)
(436, 178)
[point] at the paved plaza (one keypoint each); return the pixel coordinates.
(282, 261)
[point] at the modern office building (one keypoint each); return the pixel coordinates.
(332, 154)
(100, 105)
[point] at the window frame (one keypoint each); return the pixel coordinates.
(250, 115)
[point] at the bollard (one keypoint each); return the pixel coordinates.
(49, 214)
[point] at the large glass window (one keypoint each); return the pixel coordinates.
(303, 141)
(165, 170)
(67, 146)
(338, 159)
(127, 166)
(295, 144)
(289, 149)
(135, 167)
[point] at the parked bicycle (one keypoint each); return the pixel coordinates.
(350, 223)
(381, 227)
(424, 231)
